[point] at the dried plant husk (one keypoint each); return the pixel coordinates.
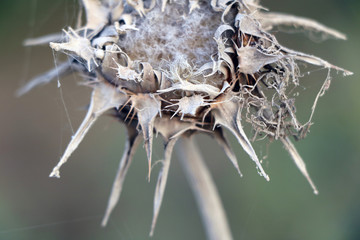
(183, 67)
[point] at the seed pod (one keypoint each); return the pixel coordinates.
(184, 67)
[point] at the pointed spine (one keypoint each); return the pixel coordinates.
(161, 182)
(132, 142)
(298, 161)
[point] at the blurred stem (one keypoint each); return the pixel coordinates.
(204, 189)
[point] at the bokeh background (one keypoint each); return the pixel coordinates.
(34, 131)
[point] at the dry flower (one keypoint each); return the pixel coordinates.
(182, 67)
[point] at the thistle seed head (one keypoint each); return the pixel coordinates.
(183, 67)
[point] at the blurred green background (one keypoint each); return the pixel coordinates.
(34, 132)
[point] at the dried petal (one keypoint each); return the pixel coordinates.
(270, 20)
(59, 71)
(298, 161)
(249, 25)
(220, 138)
(251, 59)
(96, 14)
(79, 45)
(147, 107)
(314, 60)
(55, 37)
(103, 98)
(187, 86)
(127, 74)
(132, 141)
(221, 29)
(227, 114)
(189, 105)
(161, 182)
(174, 128)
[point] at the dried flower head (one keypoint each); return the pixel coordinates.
(182, 67)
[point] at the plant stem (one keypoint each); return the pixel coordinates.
(204, 189)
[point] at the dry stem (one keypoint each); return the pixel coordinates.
(204, 189)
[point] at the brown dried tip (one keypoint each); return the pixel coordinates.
(184, 67)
